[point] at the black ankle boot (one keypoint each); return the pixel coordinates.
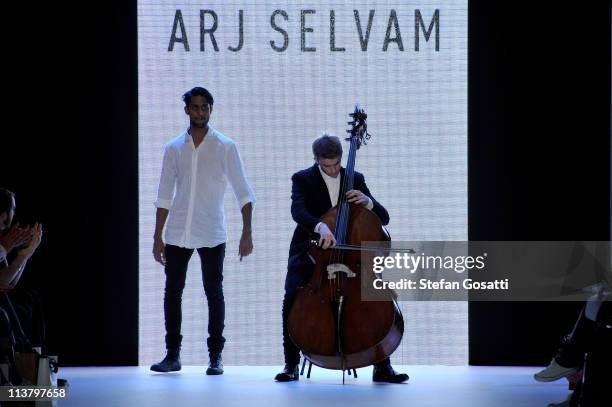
(171, 363)
(215, 366)
(289, 374)
(383, 372)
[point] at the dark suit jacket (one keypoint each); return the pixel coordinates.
(310, 200)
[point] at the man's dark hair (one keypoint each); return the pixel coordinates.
(198, 91)
(327, 146)
(6, 200)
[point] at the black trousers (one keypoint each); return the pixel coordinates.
(299, 272)
(7, 339)
(596, 379)
(20, 339)
(575, 345)
(29, 309)
(177, 259)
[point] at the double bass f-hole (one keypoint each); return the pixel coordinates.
(334, 269)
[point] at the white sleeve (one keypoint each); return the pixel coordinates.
(2, 253)
(236, 176)
(165, 192)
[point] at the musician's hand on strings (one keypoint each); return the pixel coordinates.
(357, 197)
(327, 238)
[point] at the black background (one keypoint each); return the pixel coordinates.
(539, 161)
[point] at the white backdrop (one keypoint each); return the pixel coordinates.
(273, 104)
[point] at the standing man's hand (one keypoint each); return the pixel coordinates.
(246, 244)
(15, 237)
(159, 250)
(246, 240)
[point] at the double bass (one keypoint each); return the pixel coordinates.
(328, 321)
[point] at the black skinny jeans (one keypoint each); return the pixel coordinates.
(177, 259)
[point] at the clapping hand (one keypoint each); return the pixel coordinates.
(15, 237)
(34, 239)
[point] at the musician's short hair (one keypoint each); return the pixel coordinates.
(327, 146)
(198, 91)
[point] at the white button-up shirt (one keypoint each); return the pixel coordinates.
(333, 188)
(192, 186)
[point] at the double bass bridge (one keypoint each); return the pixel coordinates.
(334, 269)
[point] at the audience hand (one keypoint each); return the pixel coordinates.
(15, 237)
(35, 236)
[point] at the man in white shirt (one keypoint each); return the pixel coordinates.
(196, 168)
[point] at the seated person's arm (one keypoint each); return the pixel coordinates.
(10, 275)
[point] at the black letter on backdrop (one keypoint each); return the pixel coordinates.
(364, 41)
(398, 36)
(178, 19)
(280, 30)
(305, 30)
(332, 32)
(240, 34)
(204, 31)
(418, 21)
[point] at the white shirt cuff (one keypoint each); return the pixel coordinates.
(163, 203)
(2, 253)
(318, 227)
(247, 200)
(370, 204)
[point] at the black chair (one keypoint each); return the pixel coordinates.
(310, 368)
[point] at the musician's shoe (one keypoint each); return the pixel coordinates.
(566, 403)
(290, 373)
(383, 372)
(215, 366)
(553, 372)
(171, 363)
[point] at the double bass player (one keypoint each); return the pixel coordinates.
(314, 191)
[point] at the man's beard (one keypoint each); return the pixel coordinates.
(199, 125)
